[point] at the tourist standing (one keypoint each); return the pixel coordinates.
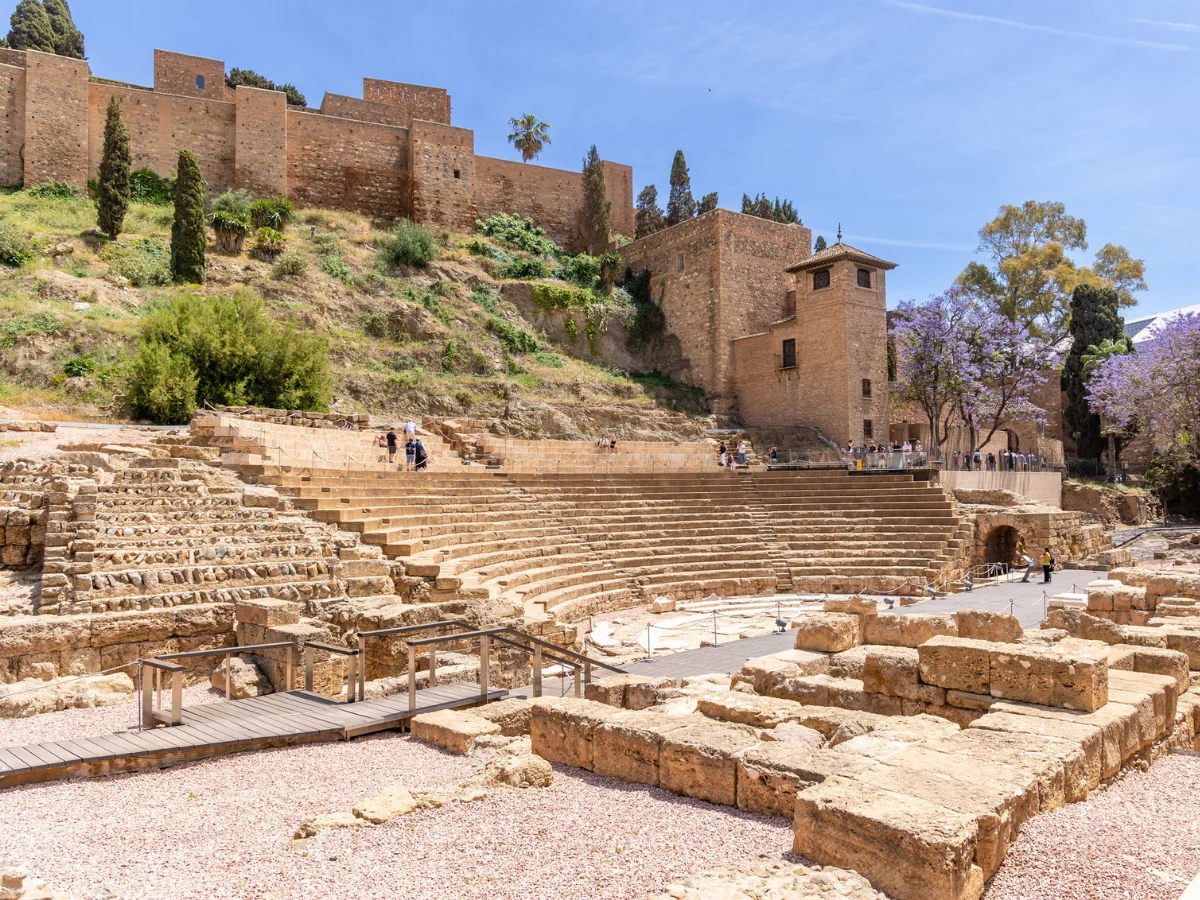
(391, 444)
(410, 454)
(722, 451)
(1047, 563)
(991, 462)
(978, 460)
(741, 448)
(420, 457)
(410, 429)
(957, 460)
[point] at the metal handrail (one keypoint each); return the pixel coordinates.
(229, 652)
(150, 714)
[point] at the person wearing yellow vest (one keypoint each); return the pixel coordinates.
(1047, 564)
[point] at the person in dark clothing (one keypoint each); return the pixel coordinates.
(410, 454)
(391, 444)
(421, 458)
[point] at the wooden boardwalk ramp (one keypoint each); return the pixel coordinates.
(213, 729)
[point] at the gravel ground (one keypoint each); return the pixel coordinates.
(1140, 840)
(43, 446)
(222, 828)
(72, 723)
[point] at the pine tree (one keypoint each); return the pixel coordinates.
(112, 200)
(595, 215)
(680, 204)
(707, 203)
(1094, 318)
(819, 244)
(189, 236)
(31, 28)
(68, 41)
(649, 217)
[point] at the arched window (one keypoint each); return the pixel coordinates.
(864, 278)
(199, 82)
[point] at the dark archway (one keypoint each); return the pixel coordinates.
(1002, 546)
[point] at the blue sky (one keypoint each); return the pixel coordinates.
(908, 122)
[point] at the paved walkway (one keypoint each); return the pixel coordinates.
(1025, 601)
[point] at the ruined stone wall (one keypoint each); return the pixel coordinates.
(418, 101)
(56, 119)
(442, 175)
(177, 73)
(22, 519)
(260, 156)
(160, 125)
(618, 184)
(12, 121)
(340, 164)
(344, 107)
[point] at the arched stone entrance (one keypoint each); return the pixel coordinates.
(1002, 546)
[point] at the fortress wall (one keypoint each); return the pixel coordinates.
(365, 110)
(176, 73)
(12, 121)
(160, 125)
(551, 197)
(618, 183)
(442, 175)
(418, 101)
(340, 164)
(56, 119)
(260, 155)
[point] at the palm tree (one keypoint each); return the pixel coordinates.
(529, 136)
(1096, 355)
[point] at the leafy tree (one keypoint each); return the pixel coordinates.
(68, 41)
(649, 216)
(596, 212)
(758, 206)
(762, 207)
(1093, 359)
(1094, 318)
(113, 192)
(31, 28)
(680, 204)
(189, 237)
(707, 203)
(1028, 275)
(529, 135)
(250, 78)
(819, 244)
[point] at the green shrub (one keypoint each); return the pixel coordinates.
(54, 190)
(546, 358)
(13, 329)
(146, 186)
(483, 297)
(273, 212)
(78, 367)
(523, 270)
(460, 357)
(143, 263)
(374, 324)
(225, 350)
(513, 338)
(407, 244)
(222, 220)
(230, 219)
(325, 243)
(582, 270)
(16, 247)
(269, 243)
(336, 267)
(477, 247)
(519, 232)
(648, 321)
(289, 265)
(234, 203)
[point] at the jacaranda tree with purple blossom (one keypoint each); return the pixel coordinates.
(962, 361)
(1158, 388)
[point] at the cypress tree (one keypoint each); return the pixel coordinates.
(67, 39)
(189, 237)
(819, 243)
(112, 201)
(1094, 317)
(31, 28)
(596, 212)
(649, 217)
(680, 204)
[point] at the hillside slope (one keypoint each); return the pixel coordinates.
(434, 341)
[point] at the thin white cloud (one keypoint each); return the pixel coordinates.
(1044, 29)
(917, 245)
(1174, 26)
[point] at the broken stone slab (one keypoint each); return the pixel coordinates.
(908, 629)
(1075, 678)
(1088, 736)
(1054, 762)
(33, 696)
(524, 771)
(619, 690)
(455, 731)
(827, 632)
(749, 709)
(955, 663)
(859, 606)
(327, 822)
(770, 775)
(511, 715)
(267, 612)
(1119, 725)
(894, 671)
(766, 878)
(910, 848)
(387, 805)
(628, 746)
(699, 761)
(849, 663)
(794, 733)
(562, 729)
(988, 625)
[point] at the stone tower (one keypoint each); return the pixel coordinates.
(840, 350)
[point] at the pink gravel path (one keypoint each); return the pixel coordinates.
(222, 828)
(1140, 840)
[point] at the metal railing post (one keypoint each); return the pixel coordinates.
(537, 670)
(147, 699)
(228, 666)
(432, 666)
(291, 683)
(412, 681)
(362, 670)
(578, 691)
(177, 697)
(484, 659)
(351, 676)
(587, 672)
(308, 668)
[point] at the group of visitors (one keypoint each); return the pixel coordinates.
(416, 457)
(1008, 461)
(731, 460)
(608, 444)
(1045, 562)
(897, 455)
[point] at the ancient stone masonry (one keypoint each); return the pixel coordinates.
(392, 153)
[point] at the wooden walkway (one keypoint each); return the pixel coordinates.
(212, 729)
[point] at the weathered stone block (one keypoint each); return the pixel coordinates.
(1074, 679)
(955, 663)
(562, 729)
(894, 671)
(988, 625)
(628, 746)
(700, 760)
(771, 774)
(909, 629)
(826, 632)
(266, 612)
(511, 715)
(455, 731)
